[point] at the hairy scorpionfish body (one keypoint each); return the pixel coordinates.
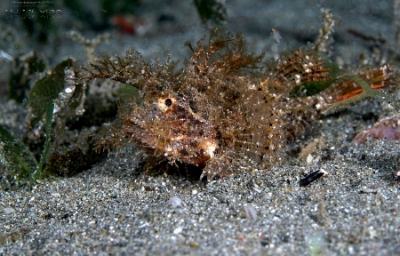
(222, 111)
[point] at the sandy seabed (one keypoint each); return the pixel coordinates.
(113, 209)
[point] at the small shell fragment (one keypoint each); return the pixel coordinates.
(313, 177)
(250, 212)
(385, 129)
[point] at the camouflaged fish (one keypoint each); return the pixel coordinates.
(224, 110)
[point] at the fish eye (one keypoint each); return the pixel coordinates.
(168, 102)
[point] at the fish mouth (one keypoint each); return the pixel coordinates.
(191, 149)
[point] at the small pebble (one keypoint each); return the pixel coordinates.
(177, 230)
